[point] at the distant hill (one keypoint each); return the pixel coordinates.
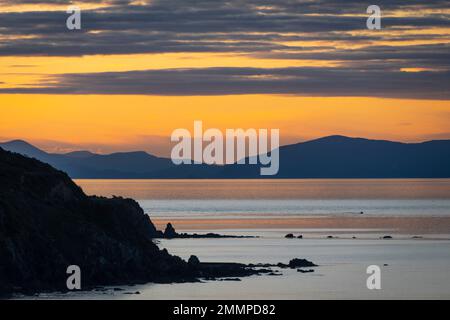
(24, 148)
(328, 157)
(84, 164)
(344, 157)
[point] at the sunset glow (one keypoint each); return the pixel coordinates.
(33, 108)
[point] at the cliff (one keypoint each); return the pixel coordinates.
(47, 223)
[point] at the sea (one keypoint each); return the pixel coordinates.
(401, 226)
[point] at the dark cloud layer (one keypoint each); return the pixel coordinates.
(184, 25)
(313, 81)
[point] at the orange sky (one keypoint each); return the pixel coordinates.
(107, 123)
(104, 123)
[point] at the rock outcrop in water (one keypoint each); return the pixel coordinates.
(293, 264)
(170, 233)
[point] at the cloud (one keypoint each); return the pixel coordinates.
(310, 81)
(369, 63)
(203, 26)
(380, 57)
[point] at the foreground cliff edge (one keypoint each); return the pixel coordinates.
(47, 223)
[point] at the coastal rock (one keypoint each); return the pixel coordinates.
(231, 279)
(170, 232)
(289, 236)
(294, 263)
(305, 271)
(299, 263)
(193, 261)
(215, 270)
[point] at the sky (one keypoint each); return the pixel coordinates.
(137, 70)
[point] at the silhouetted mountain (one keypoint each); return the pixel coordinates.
(80, 154)
(24, 148)
(328, 157)
(344, 157)
(84, 164)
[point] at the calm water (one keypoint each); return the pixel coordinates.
(272, 189)
(415, 268)
(260, 198)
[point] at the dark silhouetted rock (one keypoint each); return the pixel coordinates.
(47, 223)
(300, 237)
(305, 271)
(293, 264)
(214, 270)
(289, 236)
(299, 263)
(193, 261)
(387, 237)
(170, 232)
(231, 279)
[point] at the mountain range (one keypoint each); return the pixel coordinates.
(328, 157)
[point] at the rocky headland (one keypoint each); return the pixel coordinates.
(47, 223)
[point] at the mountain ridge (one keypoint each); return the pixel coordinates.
(333, 156)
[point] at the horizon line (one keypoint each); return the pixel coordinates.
(35, 145)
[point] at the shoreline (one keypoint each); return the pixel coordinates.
(423, 225)
(411, 270)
